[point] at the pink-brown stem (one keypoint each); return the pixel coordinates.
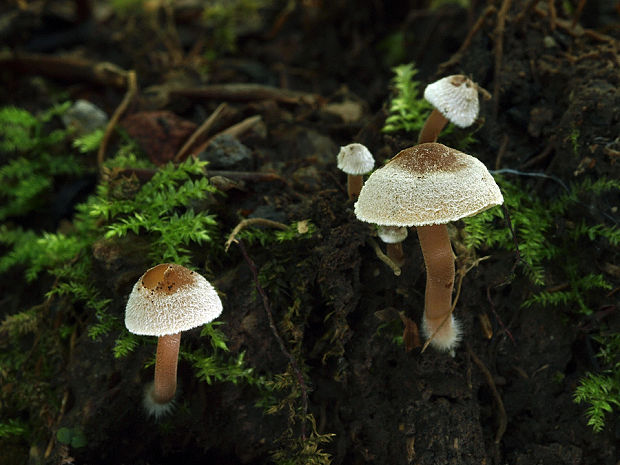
(166, 368)
(432, 127)
(354, 185)
(439, 261)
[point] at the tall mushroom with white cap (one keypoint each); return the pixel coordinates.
(355, 160)
(455, 99)
(166, 300)
(428, 186)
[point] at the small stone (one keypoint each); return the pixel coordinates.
(84, 117)
(225, 152)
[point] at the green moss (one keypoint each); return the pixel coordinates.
(34, 156)
(550, 235)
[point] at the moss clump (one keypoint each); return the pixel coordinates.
(548, 234)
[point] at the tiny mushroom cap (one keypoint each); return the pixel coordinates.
(168, 299)
(355, 159)
(392, 234)
(427, 184)
(456, 98)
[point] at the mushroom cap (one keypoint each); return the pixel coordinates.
(355, 159)
(427, 184)
(392, 234)
(456, 98)
(168, 299)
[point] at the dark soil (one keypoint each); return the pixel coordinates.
(383, 404)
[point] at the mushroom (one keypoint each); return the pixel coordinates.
(428, 186)
(355, 160)
(166, 300)
(455, 99)
(394, 236)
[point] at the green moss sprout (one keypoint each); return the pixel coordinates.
(408, 109)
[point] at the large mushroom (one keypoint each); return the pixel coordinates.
(166, 300)
(455, 99)
(428, 186)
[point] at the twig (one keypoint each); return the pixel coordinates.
(132, 89)
(461, 272)
(499, 51)
(204, 127)
(251, 222)
(578, 11)
(447, 317)
(526, 10)
(541, 156)
(145, 174)
(276, 334)
(497, 317)
(467, 41)
(383, 257)
(553, 15)
(65, 67)
(502, 150)
(501, 411)
(244, 92)
(235, 130)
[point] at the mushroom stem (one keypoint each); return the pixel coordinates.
(166, 368)
(439, 261)
(354, 185)
(432, 127)
(396, 253)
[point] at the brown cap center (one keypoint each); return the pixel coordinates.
(167, 278)
(428, 158)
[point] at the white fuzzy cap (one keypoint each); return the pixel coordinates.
(168, 299)
(427, 184)
(355, 159)
(392, 234)
(447, 338)
(456, 98)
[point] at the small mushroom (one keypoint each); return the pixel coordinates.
(166, 300)
(355, 160)
(455, 99)
(428, 186)
(394, 236)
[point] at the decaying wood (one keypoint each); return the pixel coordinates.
(244, 92)
(65, 67)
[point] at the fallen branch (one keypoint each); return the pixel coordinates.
(132, 90)
(276, 334)
(467, 41)
(203, 129)
(251, 222)
(65, 67)
(239, 92)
